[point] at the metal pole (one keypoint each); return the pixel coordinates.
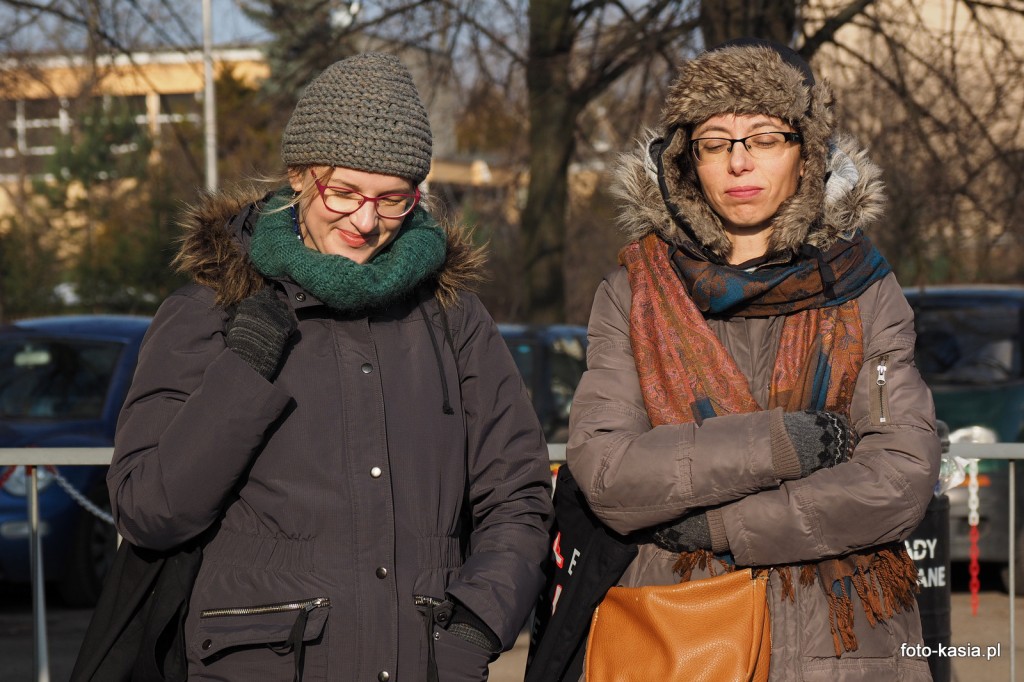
(209, 105)
(42, 657)
(1013, 568)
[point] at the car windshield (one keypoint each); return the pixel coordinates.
(969, 343)
(55, 378)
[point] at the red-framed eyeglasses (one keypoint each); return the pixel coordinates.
(343, 200)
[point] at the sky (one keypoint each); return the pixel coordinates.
(230, 26)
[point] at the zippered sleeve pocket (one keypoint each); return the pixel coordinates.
(880, 391)
(281, 626)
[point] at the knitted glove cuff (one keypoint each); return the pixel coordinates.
(716, 526)
(822, 439)
(785, 462)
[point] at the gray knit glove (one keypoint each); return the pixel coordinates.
(822, 439)
(686, 535)
(259, 329)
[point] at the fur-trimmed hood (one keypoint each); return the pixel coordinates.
(215, 245)
(838, 192)
(852, 199)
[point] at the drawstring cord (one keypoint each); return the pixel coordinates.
(446, 406)
(296, 639)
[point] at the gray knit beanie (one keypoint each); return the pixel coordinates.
(363, 113)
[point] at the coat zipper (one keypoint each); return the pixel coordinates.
(281, 607)
(880, 382)
(420, 600)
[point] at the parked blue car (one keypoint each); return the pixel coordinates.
(62, 383)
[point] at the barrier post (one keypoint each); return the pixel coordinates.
(1013, 567)
(42, 658)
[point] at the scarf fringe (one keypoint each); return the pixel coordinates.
(701, 559)
(885, 581)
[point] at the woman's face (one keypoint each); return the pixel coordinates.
(358, 235)
(745, 191)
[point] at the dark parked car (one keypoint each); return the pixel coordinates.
(969, 350)
(551, 358)
(62, 383)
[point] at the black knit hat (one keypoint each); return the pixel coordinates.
(363, 113)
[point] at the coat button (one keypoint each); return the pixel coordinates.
(382, 573)
(383, 676)
(367, 368)
(300, 297)
(375, 472)
(207, 643)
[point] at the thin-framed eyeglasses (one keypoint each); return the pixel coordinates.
(344, 200)
(767, 145)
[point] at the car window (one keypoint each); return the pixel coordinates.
(968, 343)
(55, 379)
(568, 362)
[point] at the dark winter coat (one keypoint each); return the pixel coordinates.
(341, 491)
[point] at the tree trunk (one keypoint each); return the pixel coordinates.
(553, 112)
(722, 20)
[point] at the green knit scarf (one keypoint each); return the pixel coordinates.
(415, 253)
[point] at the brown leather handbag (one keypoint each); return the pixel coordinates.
(712, 629)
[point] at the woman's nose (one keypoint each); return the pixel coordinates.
(739, 158)
(364, 218)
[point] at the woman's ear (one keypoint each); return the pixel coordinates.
(295, 179)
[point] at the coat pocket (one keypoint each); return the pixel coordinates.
(236, 638)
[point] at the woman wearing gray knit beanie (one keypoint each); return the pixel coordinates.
(751, 404)
(333, 418)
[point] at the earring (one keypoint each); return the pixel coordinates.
(295, 222)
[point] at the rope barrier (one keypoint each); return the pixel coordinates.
(78, 497)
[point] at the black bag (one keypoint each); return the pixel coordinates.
(589, 559)
(136, 633)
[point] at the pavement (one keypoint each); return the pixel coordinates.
(981, 643)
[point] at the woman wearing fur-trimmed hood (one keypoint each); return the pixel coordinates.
(335, 419)
(751, 398)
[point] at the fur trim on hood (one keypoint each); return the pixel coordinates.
(852, 199)
(748, 79)
(214, 249)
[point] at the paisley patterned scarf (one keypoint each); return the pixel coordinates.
(687, 375)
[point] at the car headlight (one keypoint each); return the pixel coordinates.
(974, 434)
(18, 482)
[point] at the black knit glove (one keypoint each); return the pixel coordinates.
(468, 626)
(686, 535)
(822, 439)
(259, 329)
